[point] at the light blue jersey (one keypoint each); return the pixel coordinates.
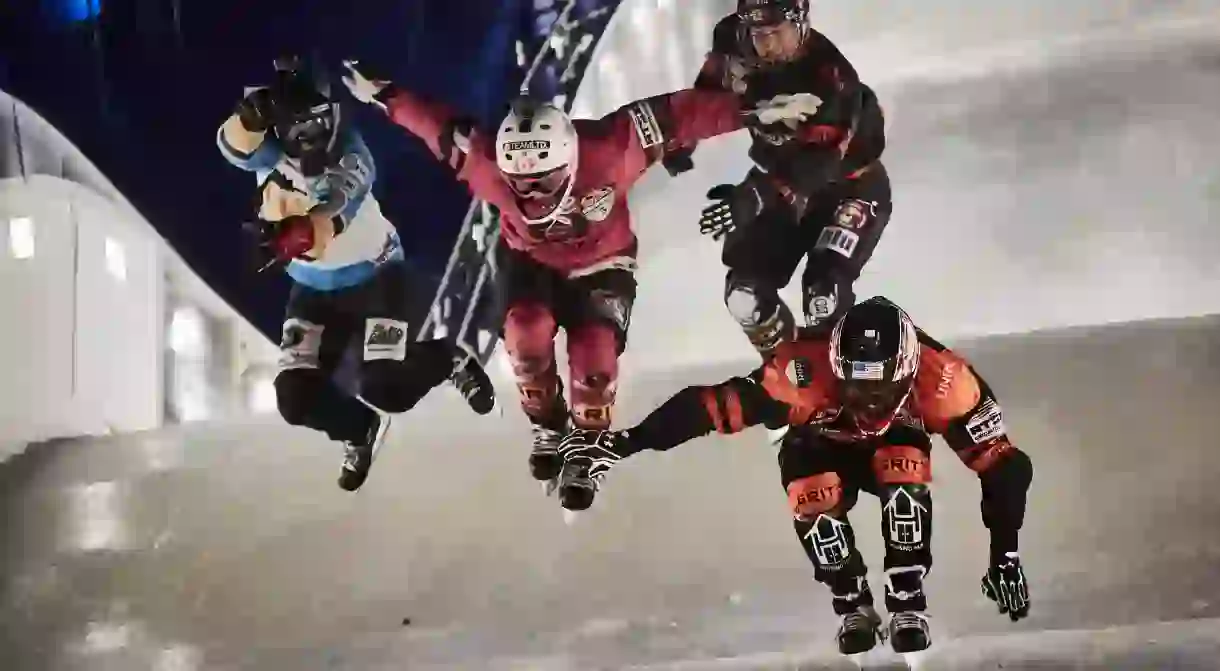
(365, 241)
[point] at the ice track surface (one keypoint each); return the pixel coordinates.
(232, 548)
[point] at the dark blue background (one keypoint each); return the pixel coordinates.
(141, 86)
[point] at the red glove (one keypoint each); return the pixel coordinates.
(293, 237)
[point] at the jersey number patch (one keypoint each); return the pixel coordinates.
(839, 240)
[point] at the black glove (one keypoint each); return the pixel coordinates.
(1004, 583)
(731, 208)
(593, 452)
(679, 161)
(261, 237)
(257, 110)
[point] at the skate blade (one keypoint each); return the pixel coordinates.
(549, 487)
(570, 516)
(915, 660)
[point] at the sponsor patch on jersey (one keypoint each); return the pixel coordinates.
(597, 204)
(385, 340)
(838, 240)
(987, 423)
(533, 145)
(854, 214)
(646, 125)
(799, 373)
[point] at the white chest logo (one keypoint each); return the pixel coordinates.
(597, 204)
(791, 109)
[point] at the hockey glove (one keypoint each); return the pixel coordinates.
(1004, 583)
(364, 84)
(278, 242)
(731, 208)
(257, 110)
(593, 452)
(679, 161)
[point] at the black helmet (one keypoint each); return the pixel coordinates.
(770, 12)
(307, 116)
(874, 353)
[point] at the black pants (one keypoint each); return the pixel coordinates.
(838, 235)
(823, 479)
(395, 372)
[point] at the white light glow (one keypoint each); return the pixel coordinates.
(262, 396)
(186, 335)
(21, 237)
(116, 259)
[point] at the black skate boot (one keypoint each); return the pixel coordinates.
(859, 624)
(905, 600)
(545, 463)
(471, 380)
(358, 457)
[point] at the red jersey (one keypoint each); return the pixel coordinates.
(613, 153)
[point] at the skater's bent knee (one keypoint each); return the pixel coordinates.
(296, 392)
(816, 495)
(393, 388)
(529, 327)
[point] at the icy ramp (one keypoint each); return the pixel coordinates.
(1166, 646)
(231, 548)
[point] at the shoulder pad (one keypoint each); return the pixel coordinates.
(945, 386)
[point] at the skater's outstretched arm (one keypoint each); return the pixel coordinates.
(729, 407)
(451, 137)
(965, 411)
(646, 130)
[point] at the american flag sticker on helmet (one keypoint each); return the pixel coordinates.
(867, 370)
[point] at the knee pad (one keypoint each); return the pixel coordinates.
(815, 495)
(593, 358)
(296, 392)
(765, 319)
(300, 344)
(529, 339)
(824, 301)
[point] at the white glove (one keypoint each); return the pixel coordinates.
(363, 87)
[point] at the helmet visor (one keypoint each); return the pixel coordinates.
(309, 131)
(539, 194)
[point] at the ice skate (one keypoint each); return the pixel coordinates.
(909, 632)
(545, 463)
(859, 631)
(472, 382)
(905, 600)
(358, 457)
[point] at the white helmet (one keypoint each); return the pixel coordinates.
(536, 154)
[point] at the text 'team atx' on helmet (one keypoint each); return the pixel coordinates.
(536, 151)
(874, 353)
